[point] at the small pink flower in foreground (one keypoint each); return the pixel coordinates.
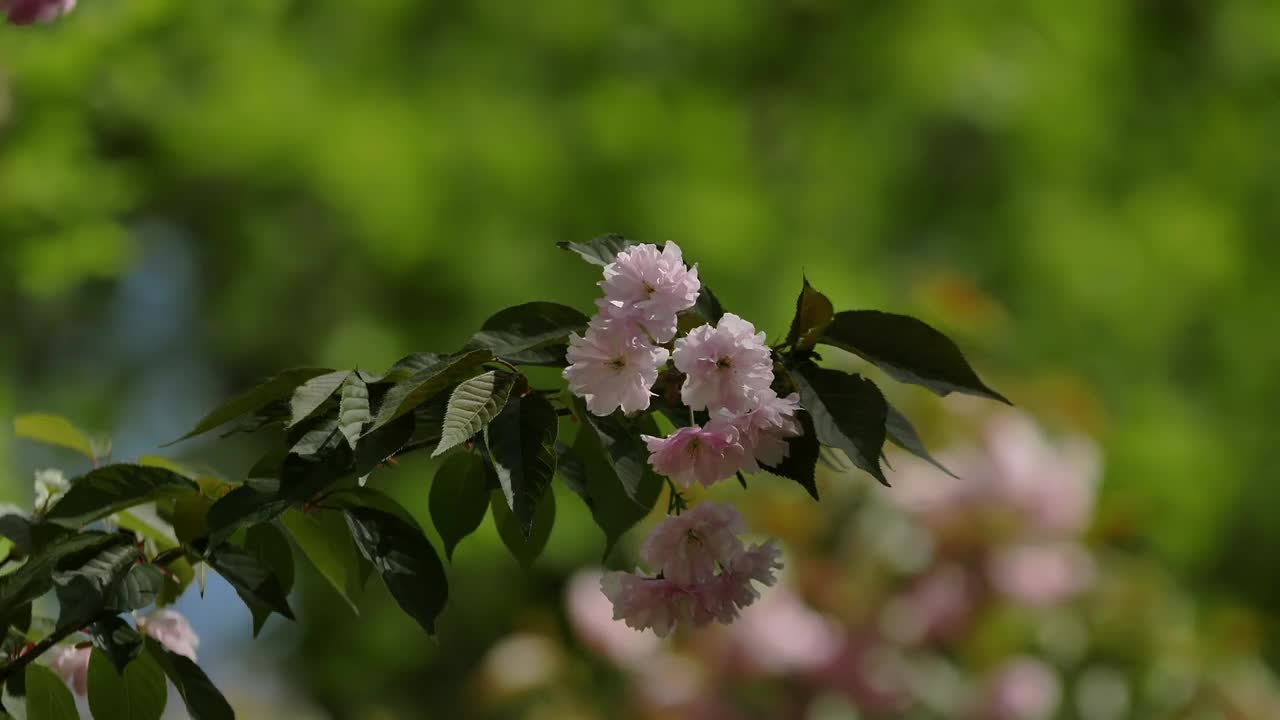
(686, 548)
(72, 665)
(1042, 574)
(171, 630)
(1023, 689)
(765, 428)
(704, 454)
(26, 12)
(591, 615)
(727, 366)
(610, 368)
(650, 286)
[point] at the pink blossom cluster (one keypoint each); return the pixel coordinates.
(728, 372)
(705, 572)
(166, 626)
(26, 12)
(615, 364)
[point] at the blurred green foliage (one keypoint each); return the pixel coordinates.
(1083, 193)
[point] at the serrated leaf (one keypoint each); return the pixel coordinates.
(353, 408)
(801, 461)
(405, 559)
(459, 499)
(312, 394)
(271, 546)
(614, 509)
(253, 579)
(849, 413)
(813, 313)
(54, 430)
(112, 488)
(534, 333)
(202, 698)
(427, 384)
(471, 406)
(600, 250)
(902, 433)
(908, 349)
(47, 697)
(139, 693)
(277, 388)
(521, 447)
(325, 541)
(525, 545)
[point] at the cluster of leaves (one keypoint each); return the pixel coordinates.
(501, 435)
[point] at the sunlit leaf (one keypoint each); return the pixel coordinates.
(325, 541)
(471, 406)
(813, 313)
(54, 430)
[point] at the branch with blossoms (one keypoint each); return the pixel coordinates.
(665, 390)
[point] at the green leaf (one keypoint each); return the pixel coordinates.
(428, 383)
(626, 451)
(471, 406)
(908, 350)
(521, 445)
(614, 509)
(814, 313)
(534, 333)
(253, 579)
(117, 640)
(271, 546)
(139, 588)
(325, 541)
(312, 394)
(54, 430)
(459, 499)
(708, 305)
(525, 546)
(277, 388)
(598, 251)
(190, 517)
(139, 693)
(801, 461)
(47, 697)
(110, 489)
(201, 697)
(369, 499)
(849, 413)
(405, 559)
(353, 408)
(36, 577)
(88, 584)
(239, 508)
(406, 367)
(903, 434)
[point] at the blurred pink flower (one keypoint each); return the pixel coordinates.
(171, 630)
(650, 287)
(611, 368)
(655, 603)
(72, 665)
(687, 548)
(1053, 485)
(26, 12)
(591, 615)
(938, 606)
(1023, 688)
(726, 366)
(765, 428)
(706, 454)
(1042, 574)
(781, 634)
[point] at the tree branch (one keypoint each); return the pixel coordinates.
(40, 648)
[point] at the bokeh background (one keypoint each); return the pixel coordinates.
(1084, 194)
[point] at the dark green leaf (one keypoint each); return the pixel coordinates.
(405, 559)
(271, 547)
(90, 587)
(253, 579)
(117, 639)
(353, 408)
(459, 499)
(802, 457)
(139, 588)
(113, 488)
(908, 350)
(849, 413)
(614, 509)
(406, 367)
(903, 434)
(369, 499)
(708, 306)
(598, 251)
(312, 394)
(530, 334)
(139, 693)
(242, 507)
(202, 699)
(324, 539)
(471, 406)
(47, 697)
(624, 448)
(35, 578)
(571, 470)
(813, 313)
(277, 388)
(427, 383)
(54, 430)
(525, 544)
(521, 445)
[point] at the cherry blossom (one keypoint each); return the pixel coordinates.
(687, 547)
(650, 287)
(171, 629)
(765, 428)
(691, 454)
(72, 665)
(611, 368)
(727, 366)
